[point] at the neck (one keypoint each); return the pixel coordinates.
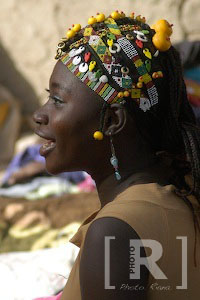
(109, 187)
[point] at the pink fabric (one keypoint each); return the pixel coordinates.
(57, 297)
(88, 185)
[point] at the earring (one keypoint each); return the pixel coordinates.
(113, 159)
(98, 135)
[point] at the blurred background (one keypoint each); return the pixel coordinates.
(39, 213)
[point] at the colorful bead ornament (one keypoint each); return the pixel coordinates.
(114, 160)
(98, 135)
(126, 94)
(161, 38)
(110, 42)
(92, 65)
(158, 74)
(115, 15)
(76, 27)
(100, 17)
(70, 33)
(147, 53)
(106, 54)
(92, 20)
(130, 37)
(122, 14)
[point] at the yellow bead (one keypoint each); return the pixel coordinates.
(92, 65)
(98, 135)
(70, 34)
(138, 18)
(76, 27)
(100, 17)
(115, 15)
(110, 42)
(154, 75)
(163, 26)
(143, 20)
(122, 14)
(140, 79)
(120, 95)
(161, 41)
(160, 73)
(92, 20)
(126, 94)
(139, 85)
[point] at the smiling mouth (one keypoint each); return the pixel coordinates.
(48, 145)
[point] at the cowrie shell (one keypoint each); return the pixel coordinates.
(83, 67)
(103, 79)
(145, 104)
(142, 38)
(77, 60)
(80, 50)
(156, 53)
(72, 53)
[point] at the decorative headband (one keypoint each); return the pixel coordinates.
(117, 60)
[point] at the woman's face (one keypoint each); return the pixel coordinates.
(67, 123)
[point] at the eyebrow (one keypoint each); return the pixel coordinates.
(57, 85)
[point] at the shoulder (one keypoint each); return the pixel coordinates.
(105, 261)
(105, 226)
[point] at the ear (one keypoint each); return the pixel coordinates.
(115, 119)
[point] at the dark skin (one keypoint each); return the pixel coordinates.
(70, 117)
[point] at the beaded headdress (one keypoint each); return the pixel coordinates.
(117, 56)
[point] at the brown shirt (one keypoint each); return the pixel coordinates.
(156, 213)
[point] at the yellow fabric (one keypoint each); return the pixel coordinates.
(154, 212)
(4, 108)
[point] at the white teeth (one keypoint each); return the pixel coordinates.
(48, 144)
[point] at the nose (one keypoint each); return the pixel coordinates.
(40, 117)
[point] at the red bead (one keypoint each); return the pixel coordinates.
(87, 56)
(139, 43)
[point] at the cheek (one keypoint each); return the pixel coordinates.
(73, 134)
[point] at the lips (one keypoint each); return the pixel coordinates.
(48, 145)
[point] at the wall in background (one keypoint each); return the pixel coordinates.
(30, 29)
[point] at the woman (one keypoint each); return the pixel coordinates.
(118, 110)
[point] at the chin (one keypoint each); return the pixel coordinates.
(53, 168)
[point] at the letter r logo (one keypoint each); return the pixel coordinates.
(150, 261)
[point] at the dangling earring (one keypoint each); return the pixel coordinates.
(113, 159)
(98, 135)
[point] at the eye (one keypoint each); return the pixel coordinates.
(56, 100)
